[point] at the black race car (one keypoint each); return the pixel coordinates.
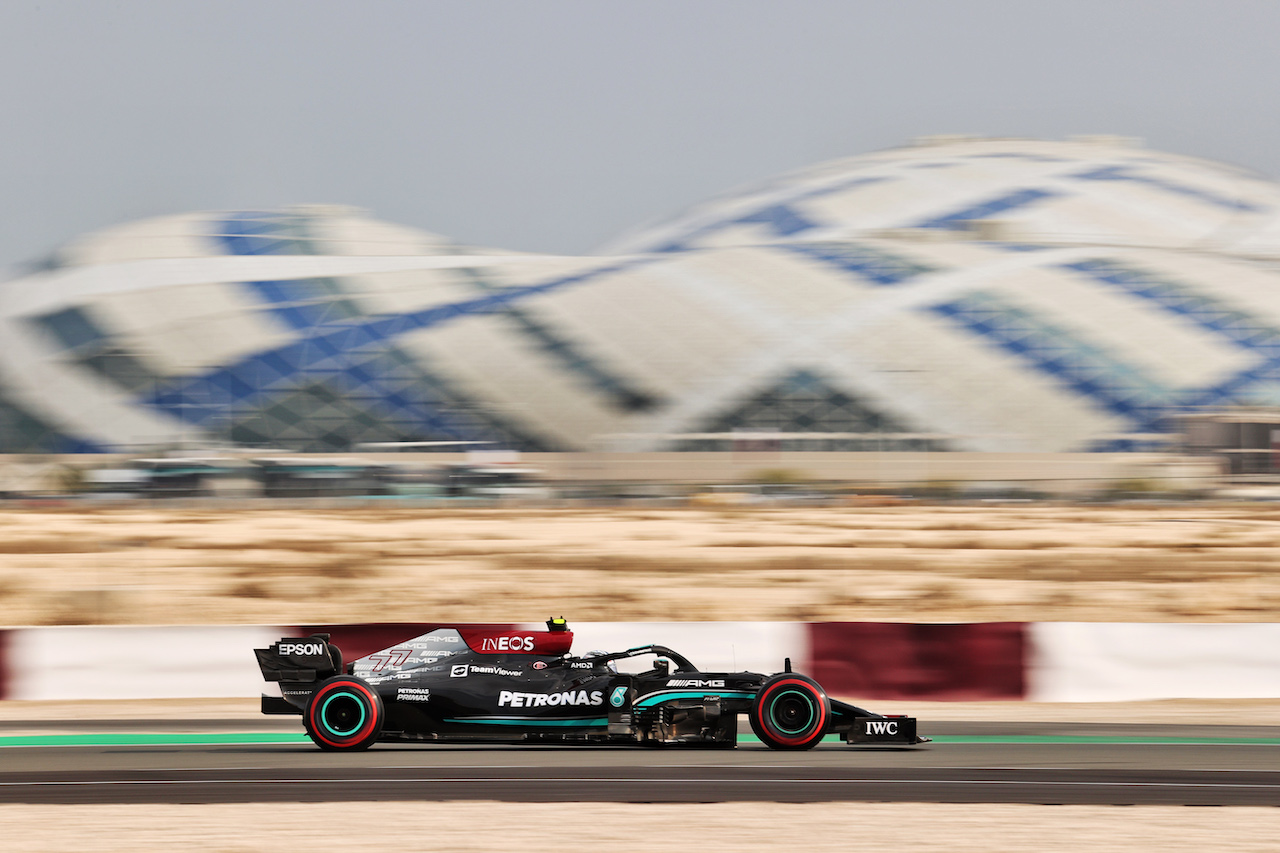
(475, 685)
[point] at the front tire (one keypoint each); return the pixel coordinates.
(344, 713)
(790, 712)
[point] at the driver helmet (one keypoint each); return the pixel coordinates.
(596, 653)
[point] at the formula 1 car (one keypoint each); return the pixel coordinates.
(473, 685)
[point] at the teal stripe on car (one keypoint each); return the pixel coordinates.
(656, 698)
(529, 721)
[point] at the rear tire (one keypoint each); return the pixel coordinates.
(790, 712)
(344, 713)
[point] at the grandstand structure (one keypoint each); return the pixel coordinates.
(954, 295)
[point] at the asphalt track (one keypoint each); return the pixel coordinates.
(257, 761)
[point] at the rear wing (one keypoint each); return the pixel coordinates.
(300, 659)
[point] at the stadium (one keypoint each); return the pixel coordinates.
(956, 294)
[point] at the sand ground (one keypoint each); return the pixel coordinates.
(591, 827)
(1187, 562)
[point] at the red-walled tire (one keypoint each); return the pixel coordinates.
(344, 713)
(790, 712)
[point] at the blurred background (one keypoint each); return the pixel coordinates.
(373, 270)
(427, 252)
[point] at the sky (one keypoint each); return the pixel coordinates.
(555, 125)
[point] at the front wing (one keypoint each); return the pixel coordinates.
(858, 726)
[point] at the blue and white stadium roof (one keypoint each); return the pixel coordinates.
(966, 294)
(1090, 191)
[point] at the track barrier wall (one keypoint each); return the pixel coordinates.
(1048, 661)
(887, 660)
(4, 663)
(135, 663)
(1118, 662)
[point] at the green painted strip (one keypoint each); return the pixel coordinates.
(753, 739)
(194, 739)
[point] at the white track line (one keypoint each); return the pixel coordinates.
(498, 779)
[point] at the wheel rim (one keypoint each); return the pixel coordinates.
(342, 714)
(792, 712)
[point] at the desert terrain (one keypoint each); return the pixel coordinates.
(316, 564)
(582, 827)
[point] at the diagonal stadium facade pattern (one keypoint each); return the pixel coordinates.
(955, 294)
